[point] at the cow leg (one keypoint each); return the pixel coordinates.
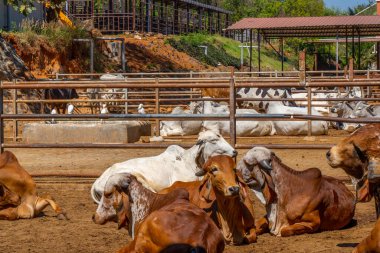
(249, 221)
(9, 214)
(310, 223)
(42, 203)
(262, 226)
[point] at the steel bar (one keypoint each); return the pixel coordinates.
(232, 110)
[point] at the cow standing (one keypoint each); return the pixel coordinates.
(157, 222)
(354, 154)
(297, 202)
(224, 198)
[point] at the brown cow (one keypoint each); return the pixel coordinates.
(297, 202)
(219, 195)
(19, 199)
(157, 222)
(372, 242)
(354, 154)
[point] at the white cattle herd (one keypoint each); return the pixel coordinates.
(352, 109)
(251, 128)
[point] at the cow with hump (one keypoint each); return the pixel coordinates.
(18, 194)
(175, 164)
(354, 155)
(157, 222)
(296, 202)
(223, 196)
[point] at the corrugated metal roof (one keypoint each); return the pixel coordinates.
(206, 6)
(311, 26)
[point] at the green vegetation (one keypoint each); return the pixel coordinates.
(225, 51)
(59, 36)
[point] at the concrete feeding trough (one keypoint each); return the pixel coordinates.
(85, 132)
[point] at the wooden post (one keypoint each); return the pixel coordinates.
(15, 125)
(134, 15)
(126, 103)
(302, 67)
(232, 109)
(309, 123)
(351, 70)
(157, 109)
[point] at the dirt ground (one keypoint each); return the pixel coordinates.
(80, 234)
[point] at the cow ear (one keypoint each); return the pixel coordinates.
(201, 173)
(359, 153)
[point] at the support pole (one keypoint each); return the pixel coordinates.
(309, 123)
(250, 49)
(351, 70)
(353, 44)
(123, 55)
(232, 109)
(347, 47)
(259, 49)
(1, 119)
(91, 56)
(157, 109)
(15, 125)
(360, 51)
(337, 55)
(302, 67)
(282, 56)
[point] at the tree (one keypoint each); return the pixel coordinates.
(27, 6)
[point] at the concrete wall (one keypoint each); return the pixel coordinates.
(16, 18)
(86, 132)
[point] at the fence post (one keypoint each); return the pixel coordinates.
(309, 126)
(351, 70)
(1, 118)
(232, 109)
(126, 103)
(157, 109)
(15, 125)
(302, 67)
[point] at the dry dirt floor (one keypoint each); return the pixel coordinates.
(80, 234)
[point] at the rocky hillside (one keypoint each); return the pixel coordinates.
(11, 65)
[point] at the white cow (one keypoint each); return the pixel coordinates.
(345, 110)
(262, 93)
(175, 128)
(295, 127)
(243, 128)
(175, 164)
(364, 110)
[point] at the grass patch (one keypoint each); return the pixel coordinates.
(226, 52)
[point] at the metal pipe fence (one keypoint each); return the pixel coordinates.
(232, 83)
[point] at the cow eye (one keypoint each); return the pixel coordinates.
(214, 169)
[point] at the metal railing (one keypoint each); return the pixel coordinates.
(157, 84)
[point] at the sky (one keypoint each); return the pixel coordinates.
(344, 4)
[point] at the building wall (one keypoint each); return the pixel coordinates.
(16, 18)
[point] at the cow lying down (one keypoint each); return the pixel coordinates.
(224, 198)
(372, 242)
(18, 195)
(157, 222)
(297, 202)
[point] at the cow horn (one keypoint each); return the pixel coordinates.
(201, 173)
(266, 164)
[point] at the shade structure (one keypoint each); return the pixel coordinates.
(328, 26)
